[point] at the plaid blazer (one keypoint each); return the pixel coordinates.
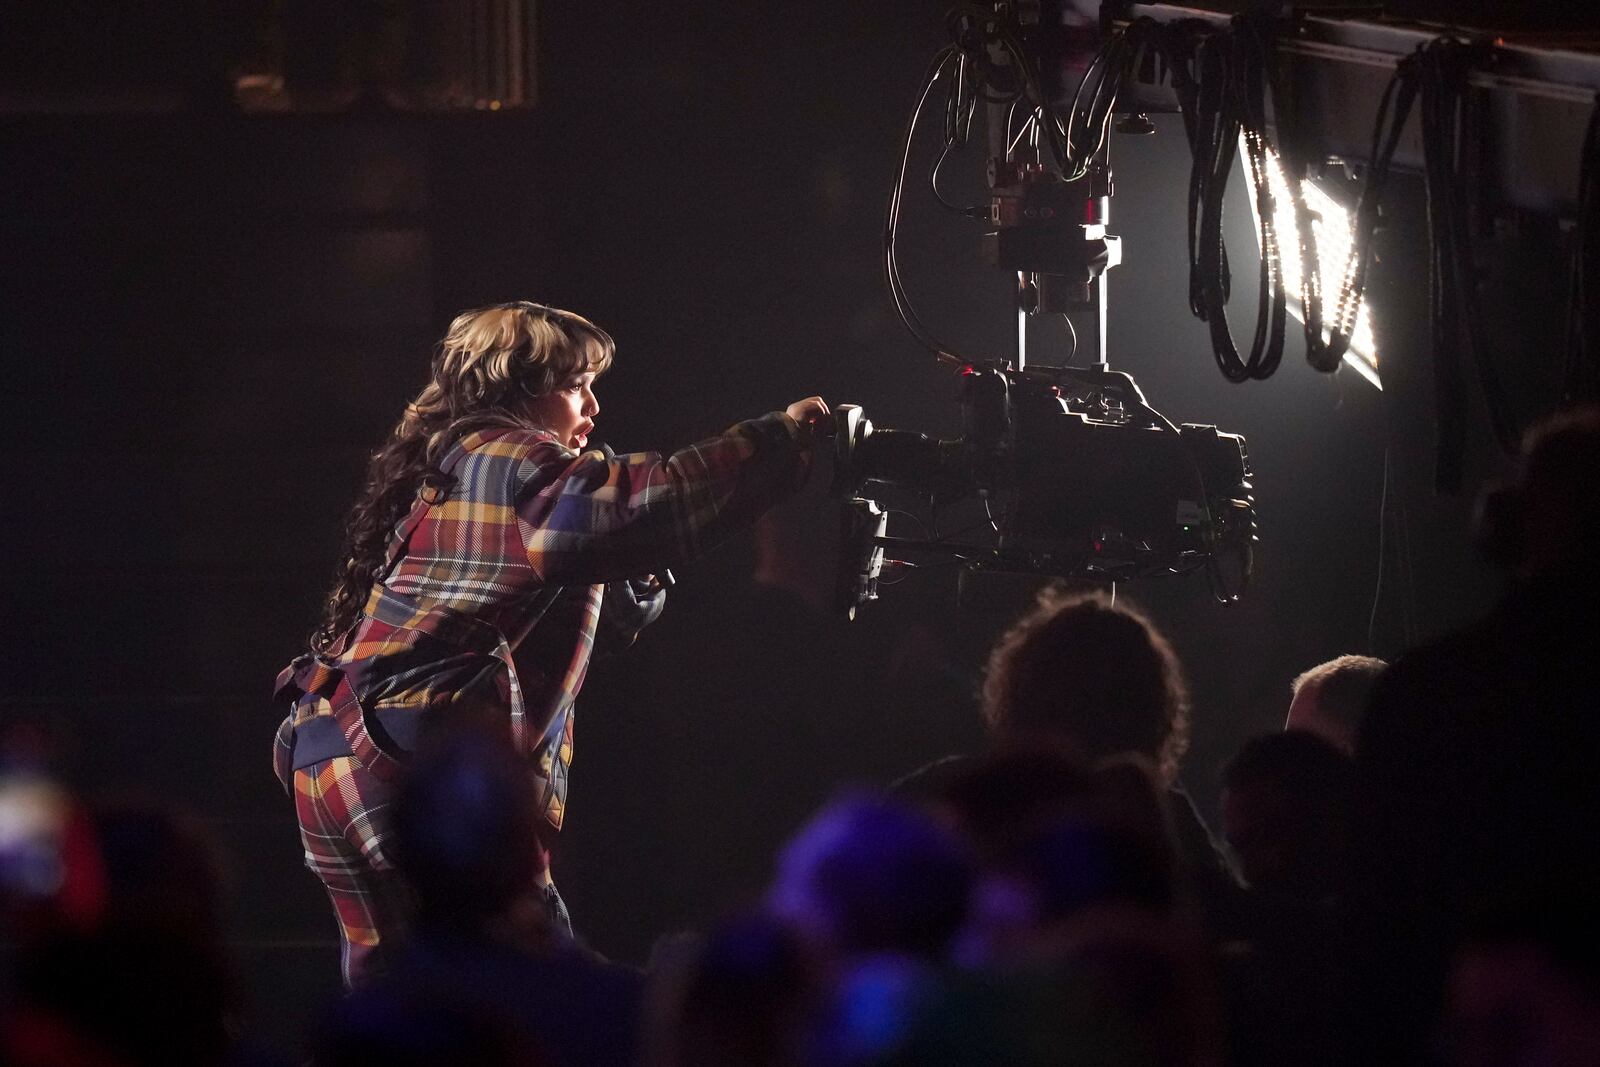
(497, 588)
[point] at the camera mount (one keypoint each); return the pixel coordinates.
(1075, 473)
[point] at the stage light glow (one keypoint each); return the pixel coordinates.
(1334, 226)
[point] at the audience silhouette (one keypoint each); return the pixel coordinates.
(1416, 867)
(1476, 782)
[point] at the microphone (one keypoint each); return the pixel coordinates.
(663, 578)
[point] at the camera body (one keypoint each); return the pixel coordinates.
(1079, 476)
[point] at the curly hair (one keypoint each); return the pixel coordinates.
(489, 364)
(1081, 667)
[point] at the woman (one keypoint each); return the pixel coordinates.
(487, 557)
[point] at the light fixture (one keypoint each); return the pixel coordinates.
(1334, 229)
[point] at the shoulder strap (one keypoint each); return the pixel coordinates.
(401, 539)
(425, 500)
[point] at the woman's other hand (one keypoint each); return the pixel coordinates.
(808, 412)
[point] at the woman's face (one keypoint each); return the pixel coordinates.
(569, 411)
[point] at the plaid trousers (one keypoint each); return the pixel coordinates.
(344, 817)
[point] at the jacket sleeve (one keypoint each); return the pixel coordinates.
(585, 518)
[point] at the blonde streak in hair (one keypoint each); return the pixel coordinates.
(511, 325)
(455, 336)
(480, 340)
(504, 371)
(473, 334)
(464, 337)
(484, 356)
(498, 365)
(500, 371)
(547, 341)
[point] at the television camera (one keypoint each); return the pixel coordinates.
(1077, 477)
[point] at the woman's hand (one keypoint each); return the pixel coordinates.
(808, 412)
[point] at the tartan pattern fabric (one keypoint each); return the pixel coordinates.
(345, 826)
(343, 813)
(497, 593)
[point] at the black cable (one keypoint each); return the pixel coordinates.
(1055, 131)
(966, 24)
(1408, 579)
(1449, 387)
(1076, 141)
(1090, 129)
(1377, 589)
(1220, 79)
(1031, 123)
(1435, 74)
(933, 184)
(1072, 143)
(954, 129)
(1581, 379)
(1443, 65)
(1393, 110)
(994, 30)
(902, 303)
(922, 526)
(988, 523)
(1089, 126)
(960, 105)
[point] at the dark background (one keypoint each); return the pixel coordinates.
(210, 318)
